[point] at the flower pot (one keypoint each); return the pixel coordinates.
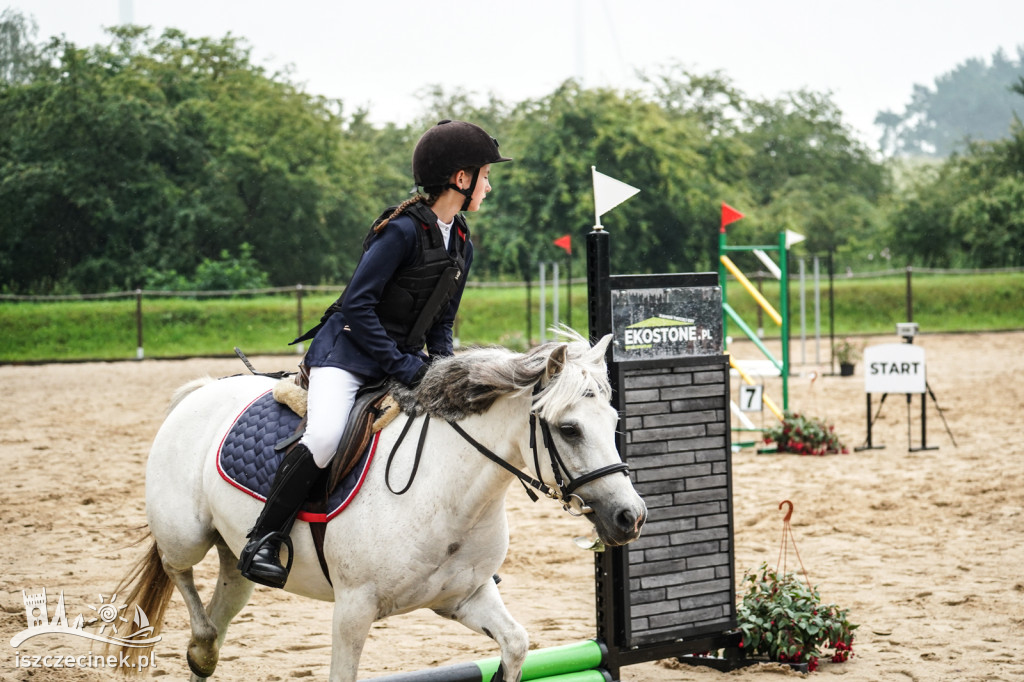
(846, 369)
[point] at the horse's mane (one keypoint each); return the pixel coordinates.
(470, 382)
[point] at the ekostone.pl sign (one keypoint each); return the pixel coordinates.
(666, 322)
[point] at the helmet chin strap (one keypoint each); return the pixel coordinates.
(468, 193)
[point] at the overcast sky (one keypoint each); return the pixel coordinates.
(378, 54)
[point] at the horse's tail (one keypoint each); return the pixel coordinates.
(150, 590)
(184, 391)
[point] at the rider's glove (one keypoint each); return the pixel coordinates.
(418, 377)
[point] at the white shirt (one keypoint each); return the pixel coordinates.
(446, 231)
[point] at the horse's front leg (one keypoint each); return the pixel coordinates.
(354, 613)
(485, 612)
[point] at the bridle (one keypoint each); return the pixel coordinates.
(565, 488)
(564, 491)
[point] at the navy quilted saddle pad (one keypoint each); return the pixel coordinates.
(247, 458)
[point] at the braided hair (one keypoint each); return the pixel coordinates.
(431, 196)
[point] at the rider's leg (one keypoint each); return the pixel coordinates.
(332, 392)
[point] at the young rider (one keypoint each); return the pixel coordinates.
(403, 295)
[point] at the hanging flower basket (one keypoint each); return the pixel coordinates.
(783, 619)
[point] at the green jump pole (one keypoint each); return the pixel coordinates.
(784, 306)
(581, 676)
(556, 664)
(745, 328)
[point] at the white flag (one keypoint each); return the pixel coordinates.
(793, 238)
(609, 193)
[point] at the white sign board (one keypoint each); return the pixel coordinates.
(894, 368)
(751, 399)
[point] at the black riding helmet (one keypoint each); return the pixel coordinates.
(451, 146)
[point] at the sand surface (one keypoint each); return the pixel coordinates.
(925, 548)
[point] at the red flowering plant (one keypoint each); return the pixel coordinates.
(783, 618)
(805, 436)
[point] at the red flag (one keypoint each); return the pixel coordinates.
(729, 215)
(565, 242)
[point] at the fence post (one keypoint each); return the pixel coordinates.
(299, 347)
(910, 294)
(139, 353)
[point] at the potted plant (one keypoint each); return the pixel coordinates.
(847, 353)
(783, 619)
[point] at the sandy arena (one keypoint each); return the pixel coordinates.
(926, 549)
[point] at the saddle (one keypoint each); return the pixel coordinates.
(374, 409)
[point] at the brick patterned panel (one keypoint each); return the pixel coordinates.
(677, 446)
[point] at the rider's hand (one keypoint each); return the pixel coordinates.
(418, 377)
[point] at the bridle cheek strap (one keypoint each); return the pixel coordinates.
(567, 490)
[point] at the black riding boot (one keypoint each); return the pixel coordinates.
(260, 560)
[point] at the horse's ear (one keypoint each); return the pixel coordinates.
(556, 361)
(602, 344)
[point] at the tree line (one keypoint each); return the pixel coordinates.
(140, 162)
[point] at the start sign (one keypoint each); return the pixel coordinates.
(894, 368)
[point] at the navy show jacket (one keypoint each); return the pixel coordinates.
(354, 339)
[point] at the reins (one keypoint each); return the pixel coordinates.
(525, 479)
(564, 491)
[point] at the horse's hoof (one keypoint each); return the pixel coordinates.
(196, 669)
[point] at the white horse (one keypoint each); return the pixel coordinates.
(438, 545)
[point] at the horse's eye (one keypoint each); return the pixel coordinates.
(569, 431)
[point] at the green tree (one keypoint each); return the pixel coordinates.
(547, 192)
(809, 173)
(162, 152)
(968, 212)
(18, 54)
(974, 101)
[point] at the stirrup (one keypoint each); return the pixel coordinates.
(253, 547)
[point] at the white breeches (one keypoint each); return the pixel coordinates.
(332, 392)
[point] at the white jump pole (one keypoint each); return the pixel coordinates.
(543, 306)
(803, 314)
(554, 293)
(817, 311)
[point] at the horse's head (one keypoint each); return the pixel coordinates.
(573, 444)
(570, 442)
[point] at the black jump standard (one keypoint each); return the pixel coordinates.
(672, 592)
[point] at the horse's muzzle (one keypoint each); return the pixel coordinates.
(621, 525)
